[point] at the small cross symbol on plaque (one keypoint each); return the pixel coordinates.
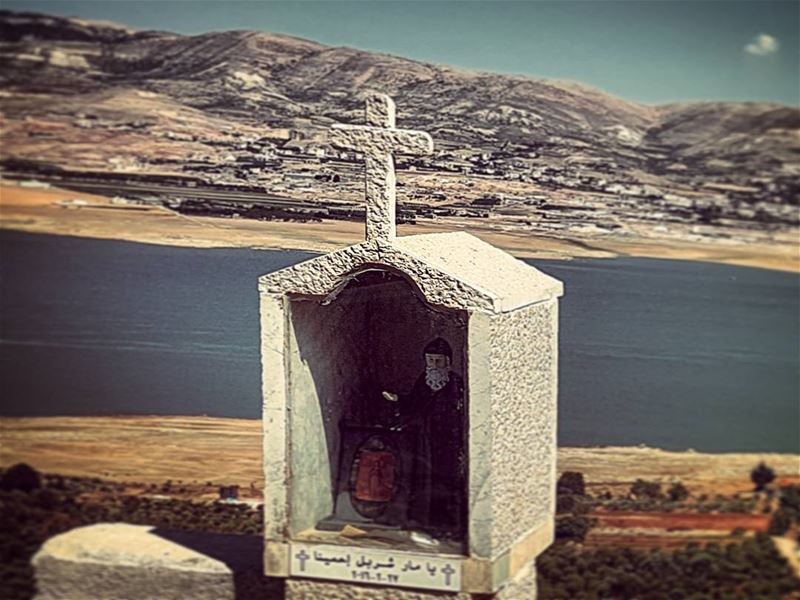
(448, 573)
(302, 556)
(378, 140)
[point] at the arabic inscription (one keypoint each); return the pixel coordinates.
(361, 565)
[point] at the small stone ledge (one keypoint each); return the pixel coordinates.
(118, 561)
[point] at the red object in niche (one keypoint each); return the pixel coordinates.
(375, 477)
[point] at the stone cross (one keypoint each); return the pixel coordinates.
(448, 573)
(302, 556)
(378, 140)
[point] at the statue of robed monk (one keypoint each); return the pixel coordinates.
(435, 408)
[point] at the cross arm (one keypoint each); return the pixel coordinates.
(369, 140)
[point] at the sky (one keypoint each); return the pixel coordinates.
(652, 51)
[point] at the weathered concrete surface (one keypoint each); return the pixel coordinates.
(274, 421)
(512, 443)
(118, 561)
(521, 587)
(378, 141)
(523, 360)
(308, 589)
(453, 270)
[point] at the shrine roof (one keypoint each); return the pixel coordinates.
(456, 270)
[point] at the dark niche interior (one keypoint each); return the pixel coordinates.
(395, 467)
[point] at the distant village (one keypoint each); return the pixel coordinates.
(557, 187)
(96, 108)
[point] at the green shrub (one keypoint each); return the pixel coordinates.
(790, 500)
(780, 522)
(751, 568)
(646, 489)
(762, 476)
(21, 477)
(573, 528)
(736, 505)
(573, 504)
(47, 498)
(677, 492)
(571, 483)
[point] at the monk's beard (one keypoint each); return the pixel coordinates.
(436, 378)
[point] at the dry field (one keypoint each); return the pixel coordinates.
(151, 449)
(702, 473)
(681, 521)
(37, 211)
(204, 452)
(137, 449)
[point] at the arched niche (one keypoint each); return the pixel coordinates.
(366, 336)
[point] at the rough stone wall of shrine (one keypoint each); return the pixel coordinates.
(523, 363)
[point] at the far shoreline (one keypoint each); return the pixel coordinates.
(66, 419)
(38, 211)
(124, 448)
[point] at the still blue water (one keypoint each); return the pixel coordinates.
(667, 353)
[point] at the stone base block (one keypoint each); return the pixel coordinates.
(135, 562)
(522, 587)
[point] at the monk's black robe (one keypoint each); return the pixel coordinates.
(440, 462)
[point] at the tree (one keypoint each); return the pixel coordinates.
(574, 504)
(573, 528)
(761, 476)
(565, 503)
(21, 477)
(571, 482)
(646, 489)
(678, 492)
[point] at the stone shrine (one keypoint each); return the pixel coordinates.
(409, 398)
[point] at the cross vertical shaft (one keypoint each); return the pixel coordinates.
(378, 141)
(381, 179)
(380, 187)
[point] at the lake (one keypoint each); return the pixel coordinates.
(671, 354)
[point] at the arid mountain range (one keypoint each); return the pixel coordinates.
(249, 110)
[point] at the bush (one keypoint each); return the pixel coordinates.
(565, 503)
(47, 498)
(571, 482)
(748, 569)
(678, 492)
(790, 500)
(573, 528)
(737, 505)
(646, 489)
(21, 477)
(572, 504)
(762, 476)
(780, 522)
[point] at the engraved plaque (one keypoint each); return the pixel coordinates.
(377, 567)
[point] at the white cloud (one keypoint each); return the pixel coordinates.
(762, 45)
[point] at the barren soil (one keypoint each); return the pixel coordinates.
(37, 211)
(682, 521)
(703, 473)
(151, 449)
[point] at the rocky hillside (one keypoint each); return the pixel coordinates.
(60, 76)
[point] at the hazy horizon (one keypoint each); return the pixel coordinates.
(649, 51)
